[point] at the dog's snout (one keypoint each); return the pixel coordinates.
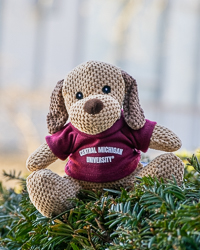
(93, 106)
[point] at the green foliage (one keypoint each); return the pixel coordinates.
(153, 215)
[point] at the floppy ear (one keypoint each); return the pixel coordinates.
(133, 113)
(57, 115)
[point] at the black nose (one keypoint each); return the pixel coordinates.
(93, 106)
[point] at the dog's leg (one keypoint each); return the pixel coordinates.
(164, 166)
(49, 192)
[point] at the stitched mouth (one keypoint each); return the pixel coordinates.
(93, 106)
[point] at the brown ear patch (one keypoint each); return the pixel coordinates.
(133, 113)
(57, 115)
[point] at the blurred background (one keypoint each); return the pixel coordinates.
(155, 41)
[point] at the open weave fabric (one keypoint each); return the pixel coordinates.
(95, 124)
(165, 166)
(164, 139)
(57, 115)
(89, 79)
(107, 88)
(42, 157)
(133, 113)
(50, 192)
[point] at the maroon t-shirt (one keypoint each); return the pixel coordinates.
(107, 156)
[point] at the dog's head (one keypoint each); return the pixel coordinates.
(91, 96)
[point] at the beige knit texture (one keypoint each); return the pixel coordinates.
(89, 78)
(133, 113)
(164, 166)
(164, 139)
(57, 115)
(95, 124)
(50, 193)
(40, 158)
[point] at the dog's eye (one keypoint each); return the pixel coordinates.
(106, 89)
(79, 95)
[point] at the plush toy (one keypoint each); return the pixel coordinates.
(103, 142)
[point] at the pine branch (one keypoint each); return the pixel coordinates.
(153, 215)
(13, 176)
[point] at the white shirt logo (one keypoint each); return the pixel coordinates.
(100, 150)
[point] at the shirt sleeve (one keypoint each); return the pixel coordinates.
(61, 143)
(141, 137)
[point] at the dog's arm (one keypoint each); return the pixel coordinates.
(40, 158)
(164, 139)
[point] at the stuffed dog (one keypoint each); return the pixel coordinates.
(103, 142)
